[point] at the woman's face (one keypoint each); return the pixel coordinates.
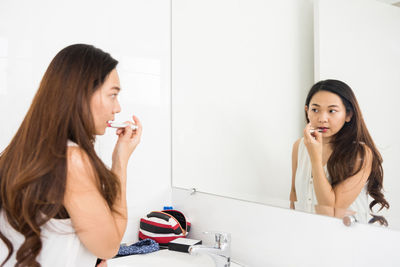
(104, 103)
(327, 112)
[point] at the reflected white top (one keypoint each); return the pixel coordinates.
(61, 246)
(305, 188)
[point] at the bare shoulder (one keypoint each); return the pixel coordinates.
(79, 167)
(76, 155)
(294, 154)
(368, 151)
(368, 157)
(366, 161)
(296, 146)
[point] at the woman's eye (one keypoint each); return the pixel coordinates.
(332, 111)
(114, 95)
(314, 110)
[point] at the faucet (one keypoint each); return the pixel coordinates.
(221, 252)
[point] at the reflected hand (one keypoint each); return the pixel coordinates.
(313, 143)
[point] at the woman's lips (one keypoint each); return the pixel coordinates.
(319, 129)
(322, 129)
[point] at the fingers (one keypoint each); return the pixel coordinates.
(136, 120)
(128, 132)
(307, 132)
(138, 125)
(318, 136)
(119, 131)
(137, 132)
(311, 134)
(125, 130)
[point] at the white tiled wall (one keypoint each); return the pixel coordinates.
(137, 34)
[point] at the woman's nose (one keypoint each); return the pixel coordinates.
(117, 108)
(322, 118)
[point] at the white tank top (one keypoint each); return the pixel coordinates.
(61, 246)
(306, 198)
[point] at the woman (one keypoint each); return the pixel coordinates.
(336, 163)
(60, 205)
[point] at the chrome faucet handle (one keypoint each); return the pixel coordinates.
(221, 238)
(349, 220)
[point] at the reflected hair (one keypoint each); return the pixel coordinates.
(33, 167)
(349, 143)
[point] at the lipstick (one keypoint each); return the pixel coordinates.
(113, 124)
(319, 130)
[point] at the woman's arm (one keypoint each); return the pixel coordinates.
(99, 229)
(348, 190)
(344, 194)
(333, 211)
(293, 196)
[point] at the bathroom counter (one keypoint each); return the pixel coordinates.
(164, 258)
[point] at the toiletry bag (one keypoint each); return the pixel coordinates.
(164, 226)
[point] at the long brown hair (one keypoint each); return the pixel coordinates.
(33, 166)
(349, 143)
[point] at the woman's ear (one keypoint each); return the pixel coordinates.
(349, 115)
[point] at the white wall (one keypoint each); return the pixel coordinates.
(137, 34)
(274, 237)
(362, 48)
(240, 72)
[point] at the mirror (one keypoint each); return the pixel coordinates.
(240, 74)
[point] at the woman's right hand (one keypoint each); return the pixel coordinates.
(313, 143)
(128, 139)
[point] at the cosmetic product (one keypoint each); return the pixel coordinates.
(319, 130)
(113, 124)
(182, 244)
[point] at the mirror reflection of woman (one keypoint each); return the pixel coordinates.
(336, 163)
(59, 204)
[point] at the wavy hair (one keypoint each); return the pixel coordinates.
(350, 142)
(33, 167)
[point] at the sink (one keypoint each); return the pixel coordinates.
(164, 258)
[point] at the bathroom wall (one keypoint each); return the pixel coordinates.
(267, 236)
(136, 33)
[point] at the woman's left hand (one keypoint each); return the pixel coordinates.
(313, 142)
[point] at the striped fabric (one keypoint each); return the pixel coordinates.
(164, 226)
